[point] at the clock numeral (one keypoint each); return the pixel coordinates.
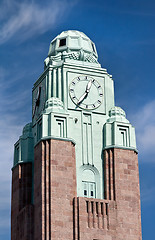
(72, 90)
(73, 83)
(99, 101)
(94, 106)
(86, 106)
(74, 97)
(101, 94)
(99, 87)
(86, 77)
(78, 78)
(93, 81)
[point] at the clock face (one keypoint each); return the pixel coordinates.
(86, 92)
(38, 101)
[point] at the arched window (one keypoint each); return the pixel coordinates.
(88, 185)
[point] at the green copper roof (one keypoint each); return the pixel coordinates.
(117, 114)
(74, 42)
(23, 151)
(27, 130)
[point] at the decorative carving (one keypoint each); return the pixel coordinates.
(54, 103)
(80, 55)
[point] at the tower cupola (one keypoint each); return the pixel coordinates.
(73, 45)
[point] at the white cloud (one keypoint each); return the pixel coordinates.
(144, 121)
(29, 18)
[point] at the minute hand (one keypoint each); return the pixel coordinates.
(88, 86)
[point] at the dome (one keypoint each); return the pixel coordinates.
(73, 42)
(117, 111)
(117, 114)
(27, 130)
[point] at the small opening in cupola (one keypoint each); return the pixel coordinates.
(62, 42)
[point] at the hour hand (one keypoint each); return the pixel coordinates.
(81, 98)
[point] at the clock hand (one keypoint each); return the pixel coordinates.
(89, 84)
(82, 97)
(37, 100)
(38, 96)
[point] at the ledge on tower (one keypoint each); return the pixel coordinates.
(118, 132)
(23, 148)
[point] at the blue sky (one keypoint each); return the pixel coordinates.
(124, 34)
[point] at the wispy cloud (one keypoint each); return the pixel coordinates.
(144, 121)
(27, 18)
(10, 129)
(9, 132)
(13, 101)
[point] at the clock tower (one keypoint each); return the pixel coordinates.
(75, 173)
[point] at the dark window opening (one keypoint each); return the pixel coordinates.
(106, 208)
(102, 208)
(85, 192)
(97, 207)
(87, 205)
(92, 207)
(92, 194)
(62, 42)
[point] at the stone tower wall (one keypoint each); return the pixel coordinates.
(118, 216)
(59, 214)
(54, 189)
(21, 207)
(127, 192)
